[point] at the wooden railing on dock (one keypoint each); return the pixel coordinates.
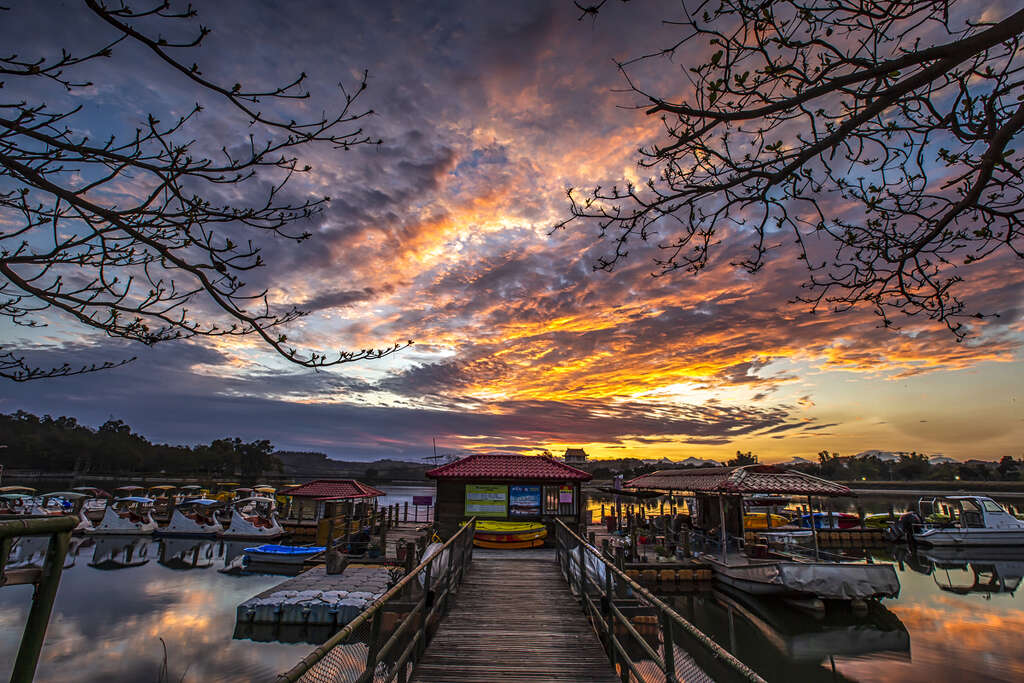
(386, 641)
(645, 639)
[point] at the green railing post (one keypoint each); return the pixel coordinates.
(42, 601)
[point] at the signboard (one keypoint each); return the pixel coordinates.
(487, 500)
(565, 494)
(422, 500)
(524, 501)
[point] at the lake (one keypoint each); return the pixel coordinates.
(123, 595)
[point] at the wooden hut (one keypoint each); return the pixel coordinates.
(314, 507)
(518, 488)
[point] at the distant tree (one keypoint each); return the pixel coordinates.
(147, 236)
(912, 467)
(1008, 468)
(371, 474)
(879, 136)
(741, 458)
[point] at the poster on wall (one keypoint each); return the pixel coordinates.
(524, 501)
(565, 494)
(486, 500)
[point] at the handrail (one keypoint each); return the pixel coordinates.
(736, 667)
(373, 612)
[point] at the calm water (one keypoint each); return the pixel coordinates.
(122, 595)
(957, 619)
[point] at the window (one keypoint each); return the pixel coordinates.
(551, 500)
(992, 506)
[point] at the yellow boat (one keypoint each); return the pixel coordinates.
(759, 520)
(508, 546)
(511, 538)
(495, 527)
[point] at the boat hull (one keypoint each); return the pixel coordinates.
(240, 527)
(113, 523)
(971, 537)
(511, 538)
(520, 545)
(180, 525)
(824, 580)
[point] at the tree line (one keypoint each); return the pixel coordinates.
(61, 444)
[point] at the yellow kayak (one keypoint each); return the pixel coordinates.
(511, 538)
(494, 527)
(759, 520)
(508, 546)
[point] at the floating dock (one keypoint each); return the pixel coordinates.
(317, 598)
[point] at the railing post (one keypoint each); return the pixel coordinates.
(428, 602)
(609, 616)
(373, 646)
(583, 572)
(405, 515)
(42, 604)
(669, 648)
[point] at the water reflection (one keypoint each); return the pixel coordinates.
(187, 553)
(120, 552)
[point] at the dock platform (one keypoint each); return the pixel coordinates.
(514, 619)
(316, 597)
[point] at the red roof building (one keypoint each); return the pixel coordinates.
(746, 479)
(504, 486)
(509, 466)
(333, 489)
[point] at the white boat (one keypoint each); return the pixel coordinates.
(975, 521)
(253, 517)
(805, 579)
(128, 515)
(193, 518)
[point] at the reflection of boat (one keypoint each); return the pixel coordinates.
(983, 570)
(186, 553)
(193, 518)
(128, 515)
(253, 518)
(283, 554)
(120, 552)
(975, 521)
(841, 632)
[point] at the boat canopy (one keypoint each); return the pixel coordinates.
(162, 487)
(17, 489)
(253, 499)
(745, 479)
(70, 495)
(130, 487)
(191, 487)
(92, 490)
(14, 496)
(134, 499)
(201, 501)
(226, 483)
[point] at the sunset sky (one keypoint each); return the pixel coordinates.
(442, 235)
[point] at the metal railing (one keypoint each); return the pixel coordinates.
(385, 642)
(646, 640)
(45, 579)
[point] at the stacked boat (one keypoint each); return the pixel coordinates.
(509, 535)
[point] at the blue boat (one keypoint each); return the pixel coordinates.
(283, 554)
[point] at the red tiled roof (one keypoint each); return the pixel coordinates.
(745, 479)
(507, 466)
(332, 489)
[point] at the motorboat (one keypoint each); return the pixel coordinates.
(973, 521)
(283, 554)
(120, 551)
(194, 518)
(253, 517)
(128, 515)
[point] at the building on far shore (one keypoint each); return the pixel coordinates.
(314, 507)
(519, 488)
(575, 456)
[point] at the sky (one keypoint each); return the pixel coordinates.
(441, 234)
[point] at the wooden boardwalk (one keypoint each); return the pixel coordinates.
(514, 620)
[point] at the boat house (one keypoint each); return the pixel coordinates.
(312, 508)
(507, 487)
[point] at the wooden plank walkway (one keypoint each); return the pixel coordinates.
(514, 620)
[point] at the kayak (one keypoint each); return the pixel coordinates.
(511, 538)
(758, 520)
(837, 520)
(509, 546)
(494, 527)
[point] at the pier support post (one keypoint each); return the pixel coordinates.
(405, 516)
(669, 648)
